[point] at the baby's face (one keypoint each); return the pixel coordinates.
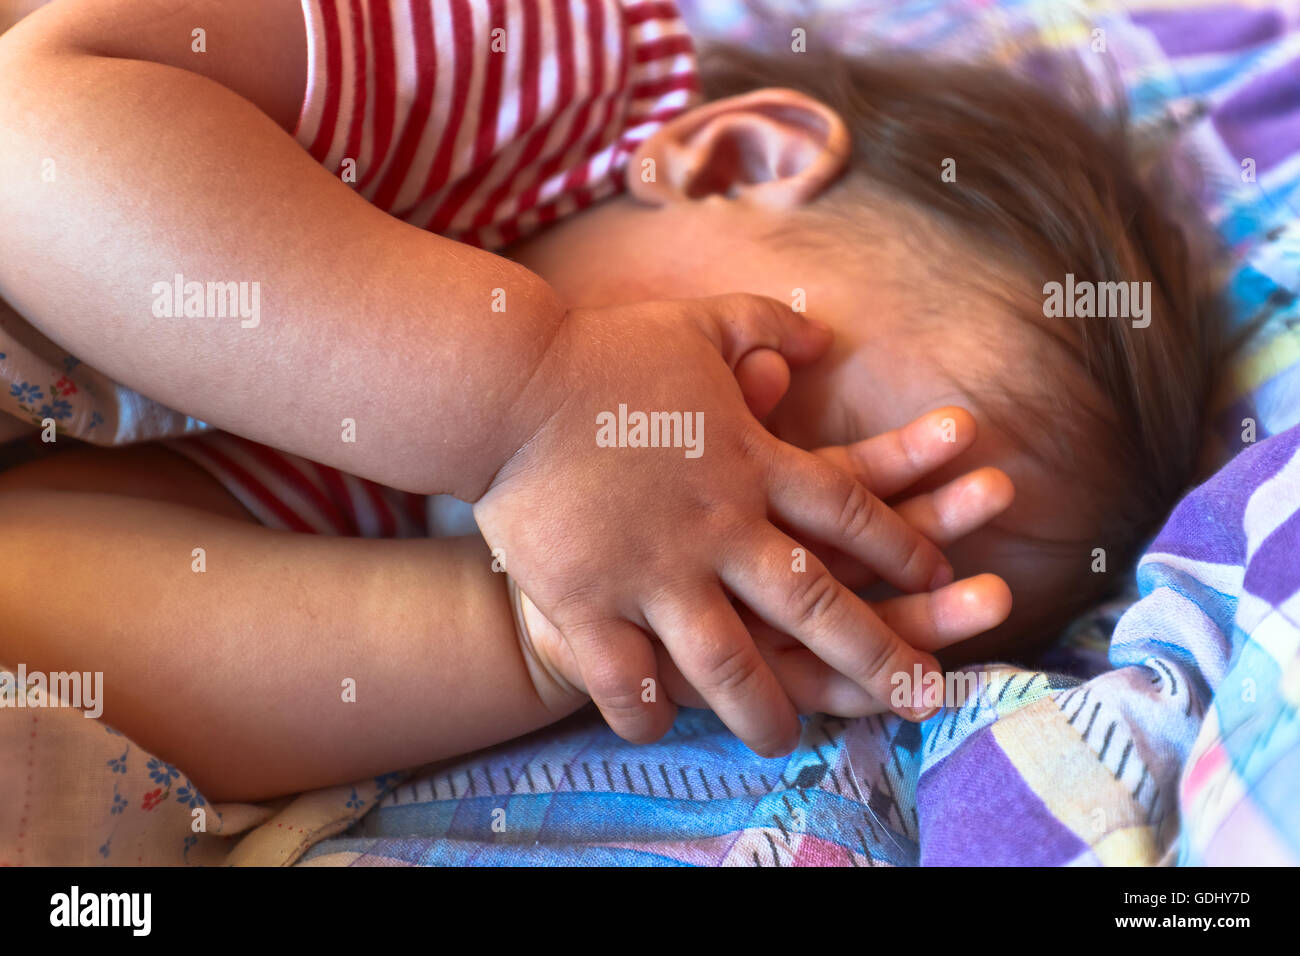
(893, 339)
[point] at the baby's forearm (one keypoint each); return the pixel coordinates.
(290, 662)
(118, 174)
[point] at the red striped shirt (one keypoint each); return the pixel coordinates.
(483, 120)
(291, 493)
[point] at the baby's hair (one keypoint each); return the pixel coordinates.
(1043, 188)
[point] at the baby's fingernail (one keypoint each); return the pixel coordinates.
(927, 698)
(943, 575)
(790, 746)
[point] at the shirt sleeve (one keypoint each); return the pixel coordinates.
(486, 119)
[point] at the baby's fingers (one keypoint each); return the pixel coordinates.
(763, 376)
(616, 660)
(799, 597)
(739, 322)
(826, 504)
(944, 516)
(929, 621)
(717, 656)
(963, 505)
(944, 617)
(813, 687)
(894, 460)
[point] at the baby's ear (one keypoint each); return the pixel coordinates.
(776, 147)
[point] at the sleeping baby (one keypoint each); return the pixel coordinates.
(478, 234)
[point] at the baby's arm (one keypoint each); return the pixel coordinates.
(237, 673)
(129, 158)
(166, 162)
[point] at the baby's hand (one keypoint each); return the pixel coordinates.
(887, 464)
(615, 543)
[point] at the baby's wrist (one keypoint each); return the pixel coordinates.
(525, 404)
